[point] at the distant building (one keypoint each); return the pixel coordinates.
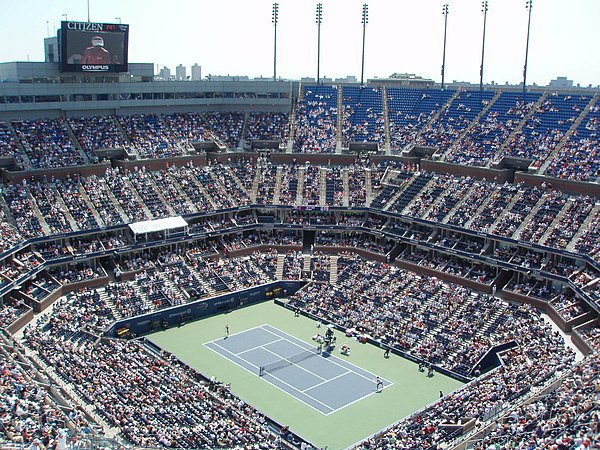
(561, 83)
(196, 72)
(51, 50)
(402, 79)
(164, 73)
(180, 72)
(347, 79)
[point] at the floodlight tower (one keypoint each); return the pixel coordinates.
(365, 21)
(484, 10)
(275, 19)
(528, 5)
(445, 14)
(319, 19)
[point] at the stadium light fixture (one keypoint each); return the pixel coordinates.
(275, 20)
(118, 18)
(365, 21)
(528, 5)
(319, 20)
(88, 6)
(484, 10)
(445, 14)
(65, 16)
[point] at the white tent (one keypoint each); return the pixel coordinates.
(153, 226)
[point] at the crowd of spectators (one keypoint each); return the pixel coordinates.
(9, 236)
(58, 206)
(353, 240)
(316, 120)
(154, 400)
(28, 412)
(97, 133)
(77, 273)
(11, 312)
(47, 143)
(408, 318)
(487, 135)
(268, 127)
(8, 145)
(578, 158)
(362, 115)
(149, 136)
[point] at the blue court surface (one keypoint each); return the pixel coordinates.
(323, 381)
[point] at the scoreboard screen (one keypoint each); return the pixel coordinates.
(93, 47)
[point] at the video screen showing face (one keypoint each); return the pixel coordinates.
(94, 47)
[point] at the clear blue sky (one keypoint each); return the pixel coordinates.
(235, 37)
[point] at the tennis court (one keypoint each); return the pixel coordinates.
(321, 380)
(410, 391)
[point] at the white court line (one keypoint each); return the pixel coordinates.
(326, 381)
(300, 367)
(262, 346)
(340, 365)
(265, 327)
(239, 332)
(231, 353)
(272, 384)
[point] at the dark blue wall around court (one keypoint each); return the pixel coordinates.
(178, 315)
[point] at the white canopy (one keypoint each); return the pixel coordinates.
(151, 226)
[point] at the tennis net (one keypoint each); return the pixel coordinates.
(288, 361)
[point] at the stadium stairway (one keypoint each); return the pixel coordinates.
(432, 120)
(423, 189)
(160, 196)
(19, 144)
(175, 183)
(236, 180)
(323, 186)
(556, 220)
(38, 214)
(67, 126)
(515, 198)
(501, 151)
(386, 120)
(279, 267)
(306, 265)
(369, 194)
(340, 120)
(113, 200)
(346, 187)
(255, 182)
(111, 305)
(124, 134)
(333, 269)
(459, 204)
(277, 190)
(593, 215)
(292, 124)
(244, 132)
(529, 217)
(568, 134)
(458, 142)
(301, 172)
(90, 205)
(65, 209)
